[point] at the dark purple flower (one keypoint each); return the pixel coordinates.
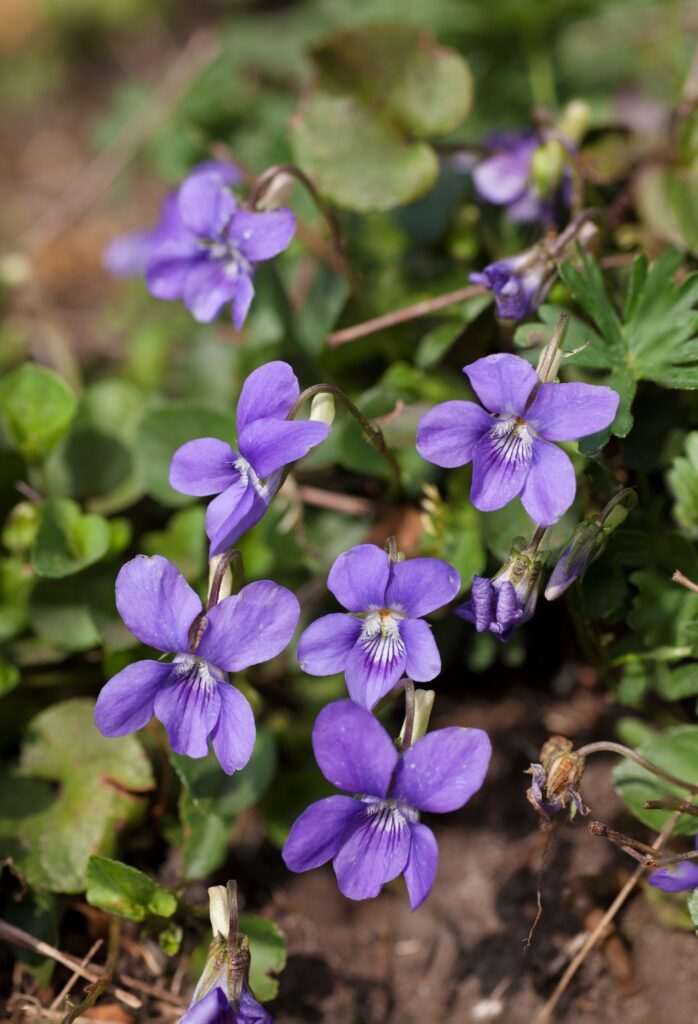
(495, 606)
(505, 178)
(390, 638)
(214, 1008)
(375, 835)
(191, 695)
(128, 255)
(677, 877)
(519, 283)
(246, 483)
(509, 445)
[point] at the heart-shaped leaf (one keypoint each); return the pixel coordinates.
(37, 407)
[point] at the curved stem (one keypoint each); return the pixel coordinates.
(265, 180)
(231, 559)
(604, 746)
(372, 433)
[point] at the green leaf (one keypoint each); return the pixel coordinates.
(162, 432)
(74, 793)
(122, 890)
(658, 341)
(331, 134)
(37, 407)
(267, 954)
(675, 750)
(693, 908)
(682, 480)
(183, 541)
(667, 201)
(425, 90)
(96, 456)
(9, 677)
(68, 540)
(211, 800)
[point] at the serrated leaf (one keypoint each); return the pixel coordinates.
(125, 891)
(682, 479)
(68, 540)
(37, 407)
(675, 750)
(267, 954)
(75, 791)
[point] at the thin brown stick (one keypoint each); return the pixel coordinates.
(607, 746)
(99, 987)
(9, 933)
(75, 976)
(401, 316)
(544, 1015)
(678, 577)
(348, 503)
(94, 179)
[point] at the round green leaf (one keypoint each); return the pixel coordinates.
(333, 135)
(37, 407)
(675, 750)
(68, 540)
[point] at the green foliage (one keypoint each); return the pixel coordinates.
(123, 890)
(676, 751)
(36, 406)
(211, 800)
(667, 200)
(425, 91)
(682, 479)
(267, 954)
(655, 340)
(49, 834)
(68, 540)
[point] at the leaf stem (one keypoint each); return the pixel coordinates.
(104, 981)
(607, 746)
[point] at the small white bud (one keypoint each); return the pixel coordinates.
(227, 581)
(277, 192)
(423, 703)
(322, 408)
(219, 910)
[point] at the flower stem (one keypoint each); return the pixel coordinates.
(232, 888)
(604, 746)
(266, 179)
(372, 433)
(232, 560)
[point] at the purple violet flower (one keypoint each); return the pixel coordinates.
(509, 444)
(129, 255)
(375, 835)
(390, 638)
(191, 695)
(205, 247)
(677, 877)
(504, 178)
(267, 441)
(519, 283)
(214, 1008)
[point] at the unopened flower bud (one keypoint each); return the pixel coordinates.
(219, 911)
(21, 527)
(277, 192)
(588, 542)
(226, 587)
(423, 703)
(322, 408)
(575, 119)
(507, 600)
(547, 166)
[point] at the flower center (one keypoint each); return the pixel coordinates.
(267, 488)
(227, 253)
(389, 814)
(200, 672)
(512, 438)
